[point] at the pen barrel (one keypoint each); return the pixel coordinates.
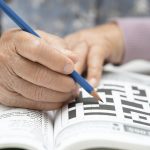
(79, 79)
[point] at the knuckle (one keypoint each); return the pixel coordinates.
(51, 81)
(39, 75)
(39, 44)
(25, 39)
(37, 47)
(38, 94)
(43, 77)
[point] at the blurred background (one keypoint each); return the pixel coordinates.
(61, 17)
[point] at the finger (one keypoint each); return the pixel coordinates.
(42, 76)
(13, 99)
(59, 44)
(95, 65)
(73, 39)
(81, 50)
(37, 50)
(38, 93)
(52, 39)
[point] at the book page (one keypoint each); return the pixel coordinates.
(23, 128)
(125, 112)
(118, 75)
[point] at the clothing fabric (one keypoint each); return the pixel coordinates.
(136, 34)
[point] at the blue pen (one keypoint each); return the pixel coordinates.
(24, 26)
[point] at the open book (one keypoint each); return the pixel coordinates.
(121, 122)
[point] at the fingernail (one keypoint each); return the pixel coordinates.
(68, 68)
(76, 92)
(93, 82)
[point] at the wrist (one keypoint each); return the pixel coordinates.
(120, 42)
(113, 36)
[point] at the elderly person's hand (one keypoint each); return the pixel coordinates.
(103, 44)
(34, 72)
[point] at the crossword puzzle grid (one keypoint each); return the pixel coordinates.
(135, 110)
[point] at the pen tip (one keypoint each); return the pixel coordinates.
(95, 95)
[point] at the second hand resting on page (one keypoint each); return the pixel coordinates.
(103, 44)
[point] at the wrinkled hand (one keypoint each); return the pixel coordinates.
(33, 71)
(99, 45)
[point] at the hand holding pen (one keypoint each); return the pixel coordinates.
(35, 74)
